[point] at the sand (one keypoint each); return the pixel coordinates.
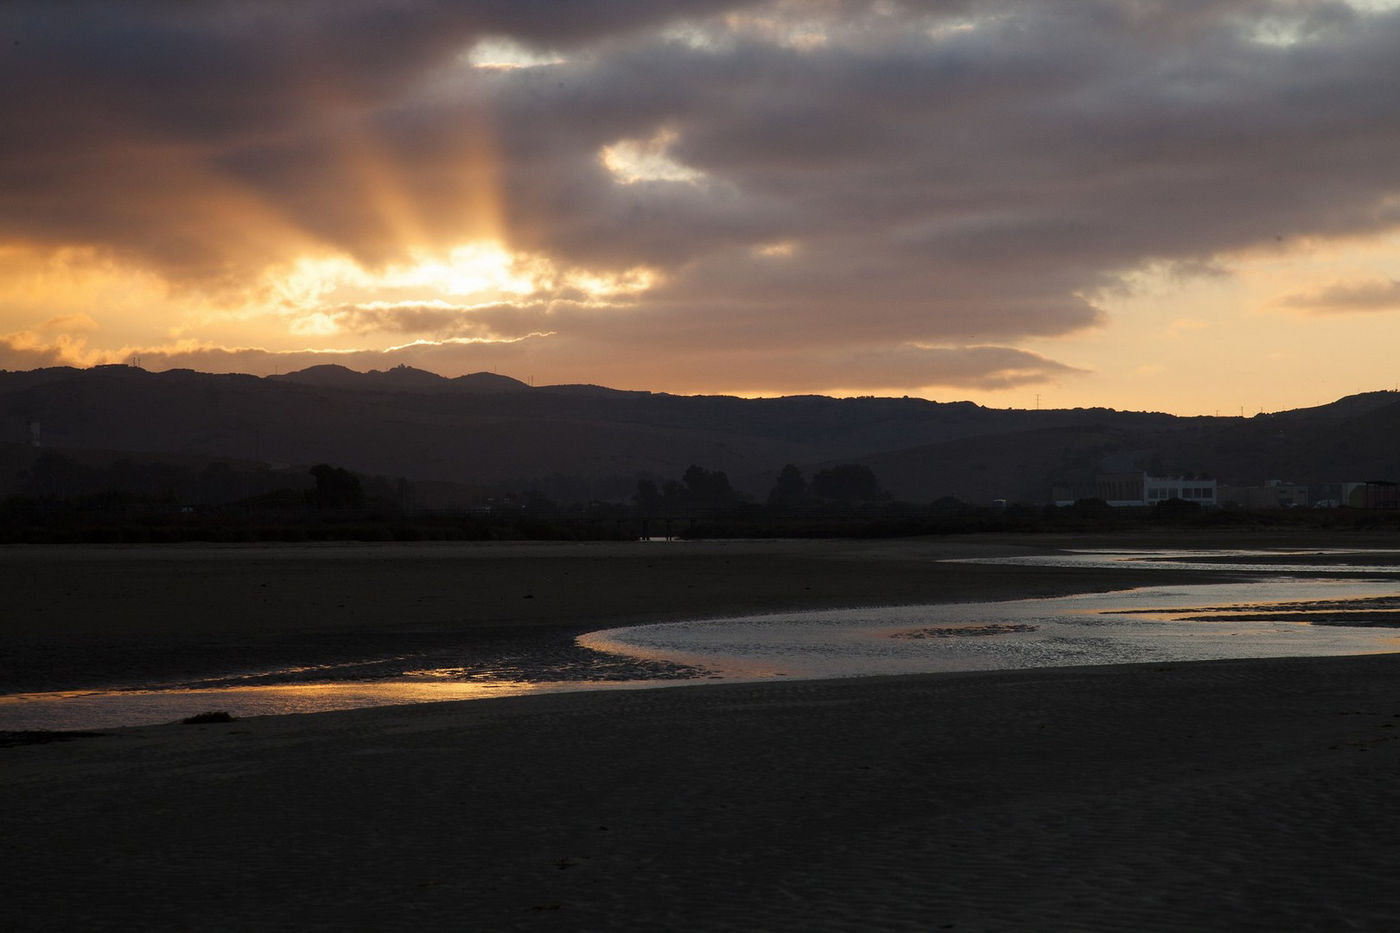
(1202, 796)
(94, 617)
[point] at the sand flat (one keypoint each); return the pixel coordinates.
(86, 617)
(1229, 795)
(1205, 796)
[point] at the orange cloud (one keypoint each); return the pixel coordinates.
(1348, 297)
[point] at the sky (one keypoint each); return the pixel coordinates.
(1190, 206)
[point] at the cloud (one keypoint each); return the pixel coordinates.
(191, 137)
(71, 324)
(1186, 327)
(433, 319)
(954, 174)
(30, 350)
(1344, 298)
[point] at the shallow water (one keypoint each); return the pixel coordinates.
(1274, 615)
(1343, 561)
(1154, 624)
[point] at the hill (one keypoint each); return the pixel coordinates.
(489, 432)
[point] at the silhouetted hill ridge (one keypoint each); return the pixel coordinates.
(398, 379)
(491, 431)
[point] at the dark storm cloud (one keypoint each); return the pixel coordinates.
(124, 120)
(964, 173)
(974, 185)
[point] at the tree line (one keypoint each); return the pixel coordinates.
(66, 500)
(700, 489)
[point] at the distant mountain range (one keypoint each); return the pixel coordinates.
(485, 433)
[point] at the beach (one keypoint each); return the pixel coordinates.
(83, 617)
(1221, 795)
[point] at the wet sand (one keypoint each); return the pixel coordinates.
(1210, 796)
(1201, 796)
(95, 617)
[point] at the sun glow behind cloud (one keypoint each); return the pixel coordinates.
(484, 274)
(324, 304)
(480, 270)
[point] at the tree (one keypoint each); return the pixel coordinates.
(708, 487)
(336, 488)
(647, 498)
(789, 489)
(848, 482)
(53, 475)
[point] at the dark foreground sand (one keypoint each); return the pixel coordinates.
(1215, 796)
(1205, 796)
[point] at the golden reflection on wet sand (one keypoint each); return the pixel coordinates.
(110, 708)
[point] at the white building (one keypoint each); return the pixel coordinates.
(1129, 490)
(1161, 488)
